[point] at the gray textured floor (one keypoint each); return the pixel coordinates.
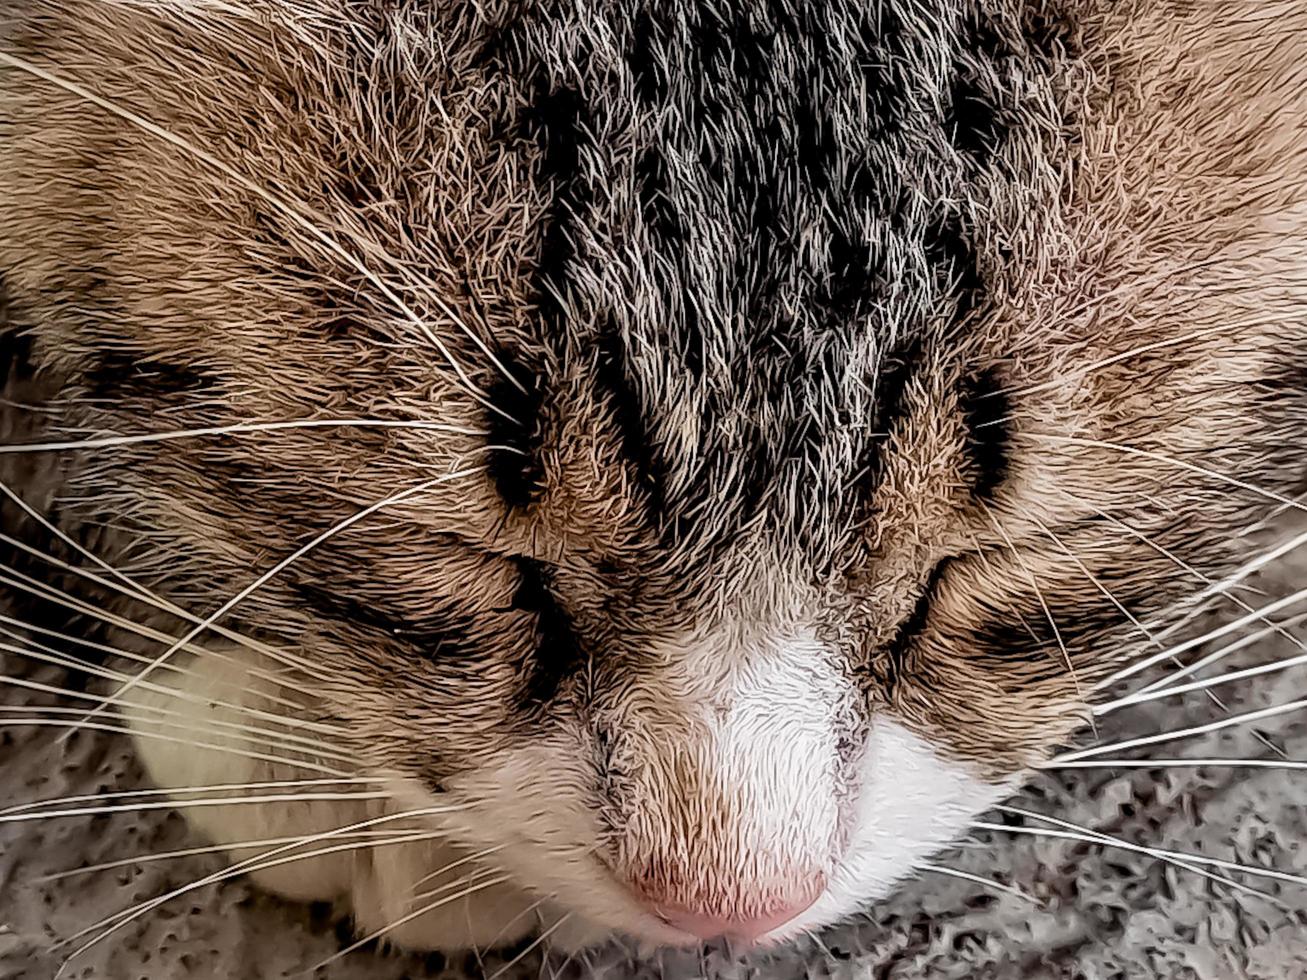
(1107, 913)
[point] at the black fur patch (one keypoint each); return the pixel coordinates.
(855, 272)
(978, 123)
(514, 433)
(627, 414)
(655, 205)
(885, 94)
(15, 344)
(118, 374)
(16, 349)
(15, 355)
(558, 653)
(650, 74)
(985, 409)
(949, 249)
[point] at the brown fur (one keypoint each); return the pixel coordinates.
(253, 232)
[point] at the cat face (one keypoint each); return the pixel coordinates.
(740, 444)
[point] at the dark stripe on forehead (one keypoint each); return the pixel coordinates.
(985, 410)
(626, 412)
(557, 654)
(513, 424)
(778, 200)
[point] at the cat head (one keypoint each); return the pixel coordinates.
(725, 453)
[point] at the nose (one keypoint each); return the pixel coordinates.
(704, 923)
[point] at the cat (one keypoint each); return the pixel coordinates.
(670, 466)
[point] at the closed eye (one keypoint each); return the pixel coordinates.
(912, 625)
(442, 633)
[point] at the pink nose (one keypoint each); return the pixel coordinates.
(708, 925)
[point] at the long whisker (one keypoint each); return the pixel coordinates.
(130, 588)
(1221, 588)
(145, 907)
(1164, 688)
(539, 939)
(494, 940)
(1170, 461)
(1181, 858)
(1100, 763)
(1094, 580)
(236, 428)
(213, 728)
(31, 649)
(286, 723)
(982, 880)
(451, 866)
(1248, 716)
(1065, 375)
(31, 586)
(211, 788)
(381, 836)
(1255, 616)
(1152, 639)
(252, 865)
(1039, 594)
(1092, 837)
(277, 569)
(473, 886)
(305, 764)
(96, 811)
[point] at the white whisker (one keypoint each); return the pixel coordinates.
(30, 649)
(271, 573)
(96, 811)
(26, 583)
(239, 428)
(148, 598)
(1165, 689)
(1179, 858)
(452, 865)
(282, 721)
(522, 955)
(305, 764)
(265, 737)
(1240, 719)
(379, 836)
(1170, 461)
(250, 865)
(1098, 763)
(982, 880)
(1170, 652)
(476, 882)
(212, 788)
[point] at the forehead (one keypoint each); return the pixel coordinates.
(758, 217)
